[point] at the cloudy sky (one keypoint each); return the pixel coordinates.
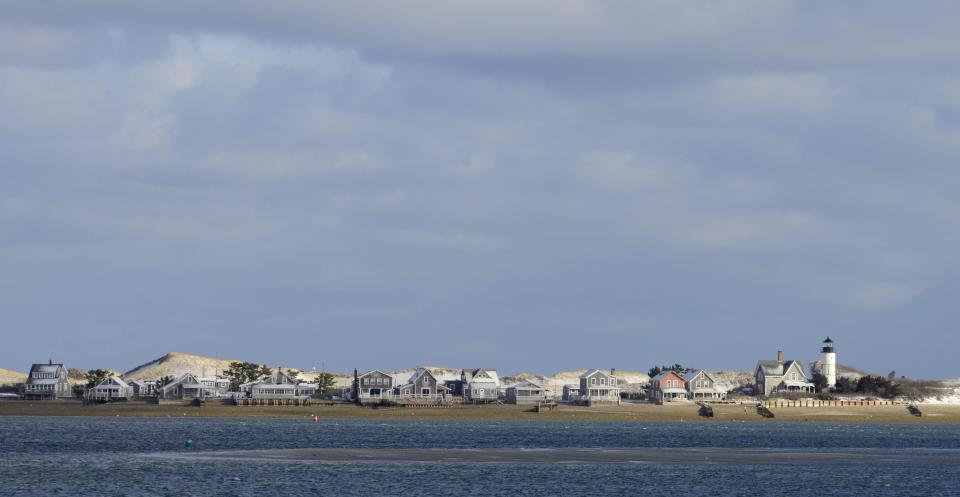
(541, 186)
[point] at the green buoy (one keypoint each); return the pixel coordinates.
(189, 444)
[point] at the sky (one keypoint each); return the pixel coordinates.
(531, 186)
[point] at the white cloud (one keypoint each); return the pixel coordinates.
(759, 230)
(454, 240)
(625, 171)
(882, 295)
(795, 94)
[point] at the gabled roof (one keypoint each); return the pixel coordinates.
(374, 371)
(526, 384)
(693, 375)
(592, 372)
(491, 376)
(50, 367)
(114, 380)
(787, 365)
(773, 368)
(667, 372)
(770, 368)
(419, 374)
(53, 368)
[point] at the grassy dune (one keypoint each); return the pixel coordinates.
(638, 412)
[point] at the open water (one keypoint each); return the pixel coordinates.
(79, 456)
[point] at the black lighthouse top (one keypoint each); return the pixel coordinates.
(827, 345)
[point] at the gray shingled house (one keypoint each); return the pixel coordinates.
(779, 376)
(422, 384)
(46, 382)
(375, 385)
(525, 392)
(702, 386)
(597, 386)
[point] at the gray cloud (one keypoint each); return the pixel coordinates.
(749, 175)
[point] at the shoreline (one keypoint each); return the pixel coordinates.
(680, 412)
(566, 456)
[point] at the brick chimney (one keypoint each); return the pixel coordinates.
(780, 358)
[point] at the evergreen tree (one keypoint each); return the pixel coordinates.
(325, 384)
(96, 376)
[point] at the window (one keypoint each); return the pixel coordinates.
(593, 381)
(603, 381)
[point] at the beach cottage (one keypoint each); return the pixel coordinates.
(143, 388)
(667, 386)
(278, 386)
(480, 385)
(375, 385)
(422, 384)
(597, 386)
(112, 388)
(189, 386)
(701, 386)
(525, 392)
(46, 382)
(571, 392)
(779, 376)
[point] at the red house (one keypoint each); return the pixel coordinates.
(668, 386)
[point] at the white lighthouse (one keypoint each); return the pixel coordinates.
(828, 363)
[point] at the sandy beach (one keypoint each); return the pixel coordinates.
(639, 412)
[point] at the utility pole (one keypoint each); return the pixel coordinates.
(356, 387)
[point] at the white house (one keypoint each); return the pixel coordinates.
(481, 385)
(112, 388)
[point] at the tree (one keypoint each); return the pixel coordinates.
(95, 377)
(325, 384)
(820, 382)
(293, 374)
(845, 385)
(676, 368)
(240, 372)
(78, 390)
(162, 382)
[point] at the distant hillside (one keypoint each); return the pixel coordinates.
(176, 364)
(8, 377)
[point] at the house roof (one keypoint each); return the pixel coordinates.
(526, 384)
(53, 368)
(491, 373)
(773, 368)
(114, 380)
(770, 368)
(693, 375)
(373, 371)
(663, 374)
(591, 372)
